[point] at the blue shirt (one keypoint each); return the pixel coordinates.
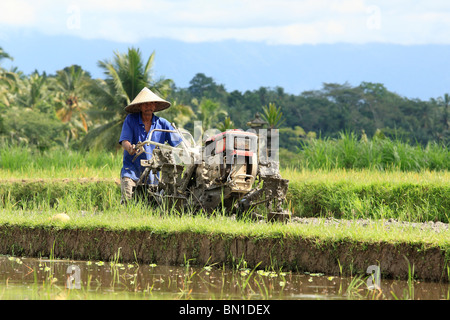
(133, 130)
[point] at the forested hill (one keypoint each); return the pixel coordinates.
(72, 109)
(366, 108)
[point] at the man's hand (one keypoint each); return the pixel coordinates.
(130, 148)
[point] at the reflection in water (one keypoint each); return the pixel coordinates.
(29, 278)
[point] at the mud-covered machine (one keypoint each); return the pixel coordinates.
(230, 171)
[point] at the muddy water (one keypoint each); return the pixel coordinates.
(31, 279)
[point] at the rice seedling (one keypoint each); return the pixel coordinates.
(353, 194)
(410, 294)
(354, 288)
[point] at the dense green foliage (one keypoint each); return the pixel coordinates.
(362, 109)
(72, 109)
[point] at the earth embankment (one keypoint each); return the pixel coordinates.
(175, 248)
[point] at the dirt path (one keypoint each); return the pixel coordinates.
(429, 225)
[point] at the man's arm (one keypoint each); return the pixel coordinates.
(126, 136)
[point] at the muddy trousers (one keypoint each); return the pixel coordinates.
(126, 188)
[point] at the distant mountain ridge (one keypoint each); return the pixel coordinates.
(411, 71)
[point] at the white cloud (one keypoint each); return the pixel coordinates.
(17, 13)
(270, 21)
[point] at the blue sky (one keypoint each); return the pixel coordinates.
(242, 44)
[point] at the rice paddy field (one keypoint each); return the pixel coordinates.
(345, 217)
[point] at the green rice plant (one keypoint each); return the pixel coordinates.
(409, 291)
(410, 280)
(62, 195)
(354, 288)
(415, 197)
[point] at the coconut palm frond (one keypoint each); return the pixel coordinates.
(103, 137)
(115, 79)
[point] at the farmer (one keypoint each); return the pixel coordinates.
(137, 126)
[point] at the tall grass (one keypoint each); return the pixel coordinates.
(350, 152)
(27, 162)
(346, 152)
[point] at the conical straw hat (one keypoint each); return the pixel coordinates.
(146, 95)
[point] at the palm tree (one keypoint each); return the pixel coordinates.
(8, 81)
(446, 106)
(273, 115)
(33, 93)
(126, 75)
(8, 86)
(227, 124)
(209, 111)
(4, 55)
(38, 126)
(71, 87)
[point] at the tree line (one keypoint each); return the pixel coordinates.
(74, 110)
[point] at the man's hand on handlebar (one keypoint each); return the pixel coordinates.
(130, 148)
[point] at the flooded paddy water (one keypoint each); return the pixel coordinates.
(23, 278)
